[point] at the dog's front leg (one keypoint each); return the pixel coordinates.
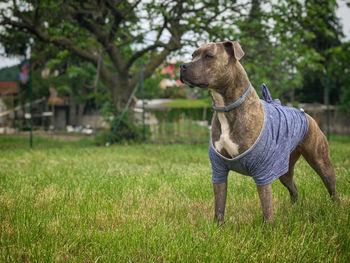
(265, 195)
(220, 193)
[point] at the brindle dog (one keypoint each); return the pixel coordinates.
(216, 66)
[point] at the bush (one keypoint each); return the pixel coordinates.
(126, 132)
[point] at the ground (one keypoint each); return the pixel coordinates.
(72, 201)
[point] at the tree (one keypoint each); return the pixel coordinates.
(263, 57)
(77, 80)
(327, 33)
(339, 69)
(122, 31)
(9, 73)
(312, 29)
(274, 49)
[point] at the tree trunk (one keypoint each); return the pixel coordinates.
(72, 111)
(81, 108)
(121, 89)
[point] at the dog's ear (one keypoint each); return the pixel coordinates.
(234, 46)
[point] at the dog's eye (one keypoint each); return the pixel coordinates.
(208, 56)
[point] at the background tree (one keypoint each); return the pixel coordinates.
(275, 53)
(74, 79)
(289, 44)
(323, 23)
(77, 83)
(339, 71)
(264, 54)
(123, 31)
(309, 33)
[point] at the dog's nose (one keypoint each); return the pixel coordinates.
(184, 66)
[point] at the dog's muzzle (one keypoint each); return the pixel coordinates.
(183, 69)
(185, 77)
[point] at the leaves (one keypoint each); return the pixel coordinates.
(284, 40)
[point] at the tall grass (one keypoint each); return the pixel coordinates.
(71, 201)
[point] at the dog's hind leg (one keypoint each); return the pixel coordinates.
(315, 150)
(287, 178)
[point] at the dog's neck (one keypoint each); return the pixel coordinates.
(235, 131)
(233, 89)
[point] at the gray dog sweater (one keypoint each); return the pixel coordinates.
(268, 158)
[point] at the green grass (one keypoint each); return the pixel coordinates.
(189, 104)
(71, 201)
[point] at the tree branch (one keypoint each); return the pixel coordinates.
(102, 37)
(153, 64)
(109, 46)
(174, 43)
(140, 53)
(61, 41)
(118, 16)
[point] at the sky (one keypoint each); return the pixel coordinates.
(343, 13)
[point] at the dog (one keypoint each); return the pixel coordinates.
(254, 137)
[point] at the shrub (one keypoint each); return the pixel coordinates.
(126, 132)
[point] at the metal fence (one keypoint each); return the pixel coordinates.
(174, 124)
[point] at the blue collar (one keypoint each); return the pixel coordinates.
(235, 104)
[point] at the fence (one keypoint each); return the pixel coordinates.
(166, 121)
(178, 121)
(338, 121)
(170, 121)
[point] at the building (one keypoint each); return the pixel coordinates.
(8, 95)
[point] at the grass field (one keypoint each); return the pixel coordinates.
(73, 202)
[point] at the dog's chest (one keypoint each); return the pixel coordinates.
(224, 142)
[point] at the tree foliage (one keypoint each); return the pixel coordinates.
(289, 44)
(123, 31)
(269, 59)
(311, 32)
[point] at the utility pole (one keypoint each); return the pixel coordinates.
(328, 83)
(30, 103)
(143, 104)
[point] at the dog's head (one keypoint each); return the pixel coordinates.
(212, 65)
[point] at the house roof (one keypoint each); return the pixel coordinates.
(8, 87)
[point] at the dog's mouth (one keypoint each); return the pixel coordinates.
(192, 84)
(203, 85)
